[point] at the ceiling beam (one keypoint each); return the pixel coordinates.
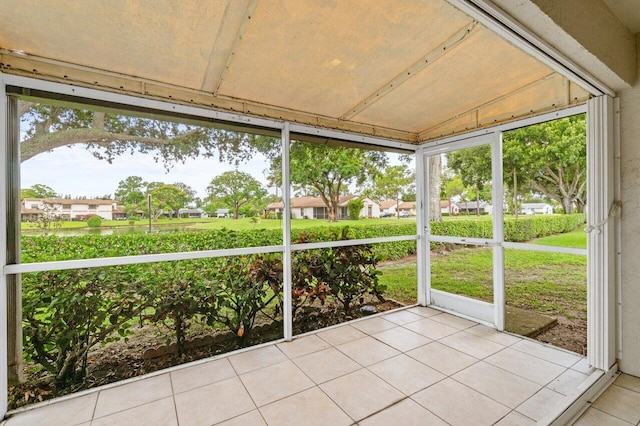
(244, 23)
(435, 54)
(427, 134)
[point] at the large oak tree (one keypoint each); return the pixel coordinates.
(235, 189)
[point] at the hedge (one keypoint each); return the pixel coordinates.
(51, 247)
(67, 313)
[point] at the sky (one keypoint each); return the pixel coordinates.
(73, 170)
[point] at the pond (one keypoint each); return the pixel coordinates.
(117, 230)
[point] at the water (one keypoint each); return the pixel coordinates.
(114, 231)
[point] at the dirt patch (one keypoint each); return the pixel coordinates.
(570, 334)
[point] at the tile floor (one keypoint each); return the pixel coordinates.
(414, 366)
(618, 405)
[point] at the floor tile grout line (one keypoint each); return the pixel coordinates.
(551, 347)
(609, 414)
(336, 403)
(132, 408)
(135, 406)
(240, 415)
(273, 365)
(516, 374)
(95, 405)
(204, 385)
(483, 358)
(399, 390)
(173, 397)
(487, 396)
(360, 367)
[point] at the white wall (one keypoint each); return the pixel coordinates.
(590, 35)
(630, 186)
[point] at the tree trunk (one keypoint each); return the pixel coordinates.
(477, 202)
(435, 172)
(332, 209)
(567, 205)
(515, 193)
(235, 210)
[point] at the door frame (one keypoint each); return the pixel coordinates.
(484, 312)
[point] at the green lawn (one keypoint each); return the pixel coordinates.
(574, 239)
(547, 282)
(237, 224)
(249, 223)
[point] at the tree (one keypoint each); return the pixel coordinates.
(473, 165)
(393, 181)
(556, 154)
(38, 191)
(327, 171)
(235, 189)
(435, 184)
(190, 193)
(517, 163)
(169, 198)
(452, 188)
(108, 135)
(131, 191)
(354, 207)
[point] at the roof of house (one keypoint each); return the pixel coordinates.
(388, 203)
(534, 205)
(69, 201)
(407, 205)
(304, 202)
(30, 211)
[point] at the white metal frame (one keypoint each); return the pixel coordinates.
(3, 254)
(482, 311)
(489, 313)
(425, 294)
(286, 248)
(601, 213)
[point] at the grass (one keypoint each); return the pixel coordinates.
(237, 224)
(574, 239)
(401, 282)
(550, 283)
(248, 223)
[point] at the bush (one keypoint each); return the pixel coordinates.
(94, 221)
(240, 292)
(354, 207)
(66, 313)
(178, 293)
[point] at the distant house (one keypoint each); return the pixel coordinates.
(190, 213)
(315, 208)
(449, 208)
(68, 209)
(389, 207)
(472, 207)
(119, 213)
(408, 206)
(536, 208)
(222, 213)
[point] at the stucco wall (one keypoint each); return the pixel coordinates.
(630, 193)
